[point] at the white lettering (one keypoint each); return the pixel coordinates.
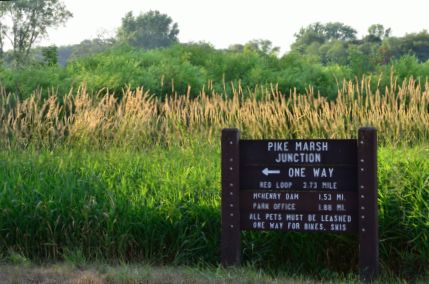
(265, 184)
(329, 185)
(311, 217)
(336, 218)
(276, 226)
(261, 206)
(296, 172)
(323, 172)
(338, 227)
(307, 146)
(284, 206)
(273, 217)
(283, 184)
(291, 196)
(298, 158)
(313, 227)
(325, 207)
(258, 225)
(266, 196)
(254, 216)
(294, 217)
(276, 146)
(293, 226)
(340, 197)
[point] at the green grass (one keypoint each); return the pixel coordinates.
(110, 204)
(163, 206)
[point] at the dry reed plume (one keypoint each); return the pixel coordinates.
(138, 119)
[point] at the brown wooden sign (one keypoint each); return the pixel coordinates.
(301, 185)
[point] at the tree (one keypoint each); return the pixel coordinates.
(357, 61)
(263, 47)
(322, 33)
(50, 55)
(339, 31)
(29, 21)
(390, 49)
(416, 43)
(237, 47)
(148, 30)
(91, 46)
(2, 36)
(377, 33)
(306, 36)
(335, 52)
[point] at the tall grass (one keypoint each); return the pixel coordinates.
(137, 120)
(133, 177)
(163, 206)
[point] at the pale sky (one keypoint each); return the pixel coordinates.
(226, 22)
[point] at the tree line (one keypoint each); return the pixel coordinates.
(145, 51)
(336, 43)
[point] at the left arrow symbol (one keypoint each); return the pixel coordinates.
(267, 172)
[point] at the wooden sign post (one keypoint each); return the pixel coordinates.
(368, 213)
(230, 239)
(301, 185)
